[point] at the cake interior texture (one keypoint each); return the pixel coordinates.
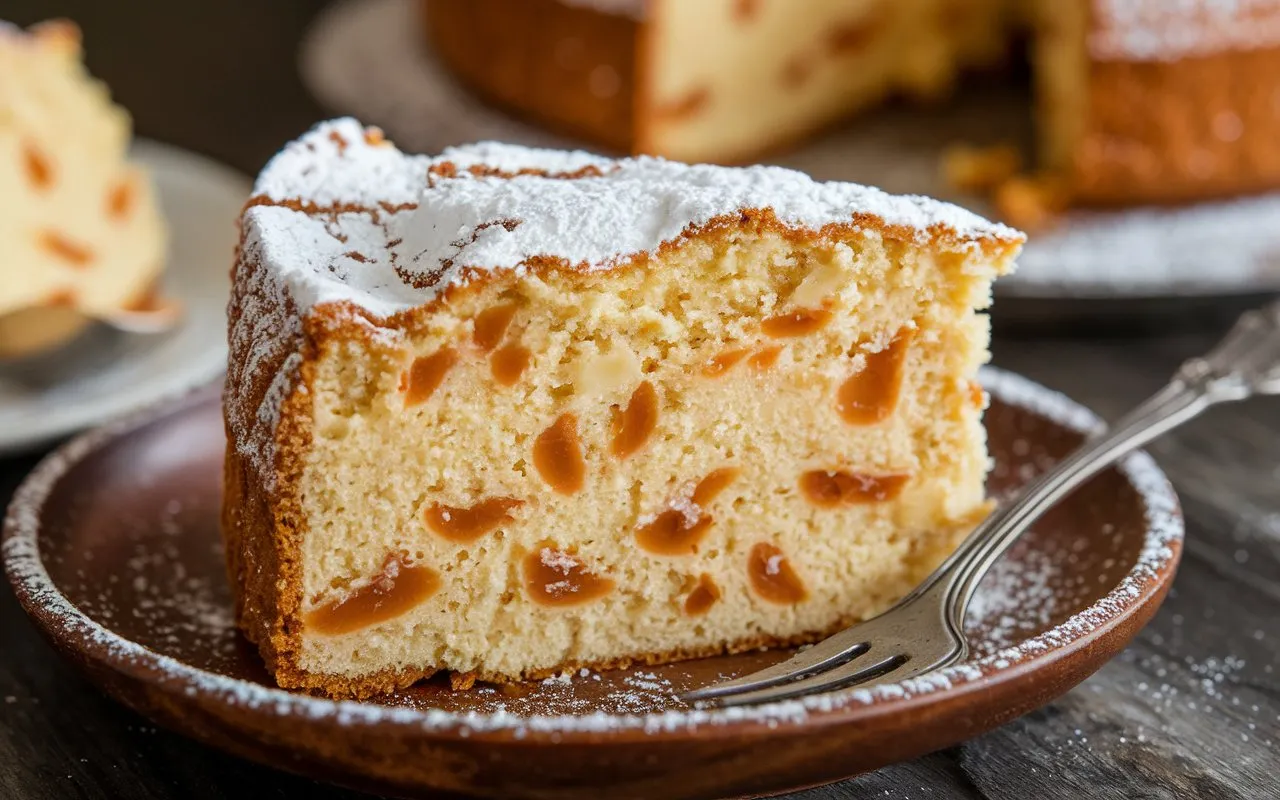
(599, 547)
(809, 64)
(750, 435)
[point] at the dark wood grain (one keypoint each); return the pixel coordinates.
(1191, 710)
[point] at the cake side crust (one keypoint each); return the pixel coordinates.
(267, 417)
(571, 69)
(1196, 128)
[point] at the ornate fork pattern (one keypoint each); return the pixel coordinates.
(925, 630)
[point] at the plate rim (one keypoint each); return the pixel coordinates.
(71, 630)
(198, 370)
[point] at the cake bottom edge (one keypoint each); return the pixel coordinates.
(341, 687)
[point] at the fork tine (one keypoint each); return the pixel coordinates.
(832, 652)
(829, 681)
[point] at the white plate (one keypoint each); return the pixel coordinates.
(368, 58)
(105, 374)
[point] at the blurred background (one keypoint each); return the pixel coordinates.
(1137, 262)
(218, 78)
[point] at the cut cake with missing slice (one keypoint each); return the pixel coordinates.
(506, 412)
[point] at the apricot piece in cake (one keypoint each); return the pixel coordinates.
(800, 322)
(465, 524)
(772, 576)
(426, 373)
(635, 423)
(832, 488)
(870, 395)
(557, 455)
(509, 362)
(397, 588)
(702, 597)
(556, 578)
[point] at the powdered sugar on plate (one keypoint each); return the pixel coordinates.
(640, 699)
(1225, 245)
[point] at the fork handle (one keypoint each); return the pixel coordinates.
(1172, 406)
(1245, 362)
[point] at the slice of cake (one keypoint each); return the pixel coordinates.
(79, 230)
(506, 411)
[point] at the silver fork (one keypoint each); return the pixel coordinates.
(925, 630)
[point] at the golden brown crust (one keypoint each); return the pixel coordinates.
(751, 221)
(262, 522)
(572, 68)
(1183, 130)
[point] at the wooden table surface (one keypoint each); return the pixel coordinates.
(1191, 710)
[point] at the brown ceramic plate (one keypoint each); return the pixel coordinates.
(112, 546)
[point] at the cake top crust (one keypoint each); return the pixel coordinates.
(341, 215)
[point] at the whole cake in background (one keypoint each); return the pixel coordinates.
(505, 412)
(1137, 100)
(80, 235)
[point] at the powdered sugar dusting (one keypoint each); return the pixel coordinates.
(336, 165)
(634, 207)
(559, 561)
(1018, 595)
(1160, 30)
(444, 229)
(634, 9)
(638, 700)
(683, 503)
(513, 159)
